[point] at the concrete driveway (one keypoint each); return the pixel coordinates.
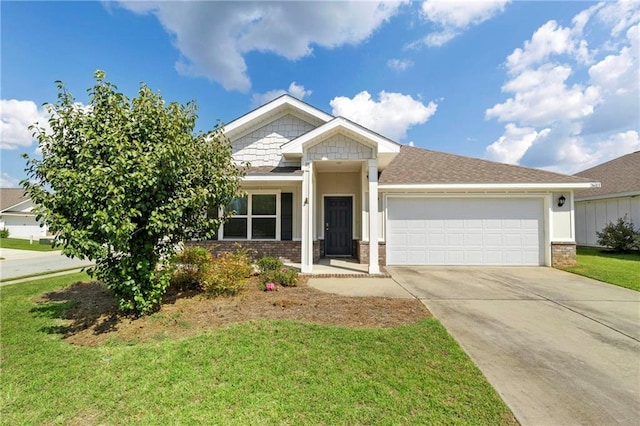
(18, 263)
(559, 348)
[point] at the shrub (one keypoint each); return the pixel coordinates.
(620, 236)
(227, 274)
(269, 263)
(189, 267)
(4, 233)
(285, 277)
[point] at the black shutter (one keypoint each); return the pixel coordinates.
(286, 216)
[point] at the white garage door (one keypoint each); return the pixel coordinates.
(457, 231)
(23, 227)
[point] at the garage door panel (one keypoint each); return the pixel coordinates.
(454, 257)
(417, 239)
(455, 239)
(417, 256)
(474, 257)
(473, 239)
(475, 231)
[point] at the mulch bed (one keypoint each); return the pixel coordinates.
(94, 319)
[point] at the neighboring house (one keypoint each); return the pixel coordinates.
(308, 196)
(618, 196)
(16, 216)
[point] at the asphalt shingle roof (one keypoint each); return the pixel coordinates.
(618, 176)
(422, 166)
(9, 197)
(276, 171)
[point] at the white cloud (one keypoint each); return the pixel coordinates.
(392, 115)
(620, 15)
(17, 116)
(399, 64)
(542, 97)
(213, 37)
(455, 16)
(617, 144)
(573, 98)
(7, 181)
(549, 39)
(295, 90)
(511, 146)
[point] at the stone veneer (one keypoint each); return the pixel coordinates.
(290, 250)
(363, 252)
(563, 254)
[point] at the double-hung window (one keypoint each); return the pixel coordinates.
(256, 217)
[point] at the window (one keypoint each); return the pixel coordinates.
(256, 217)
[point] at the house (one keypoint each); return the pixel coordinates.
(321, 186)
(16, 215)
(618, 196)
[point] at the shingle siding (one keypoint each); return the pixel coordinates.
(339, 147)
(262, 147)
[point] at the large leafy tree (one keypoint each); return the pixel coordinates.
(123, 181)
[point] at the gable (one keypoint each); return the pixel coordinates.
(339, 147)
(262, 146)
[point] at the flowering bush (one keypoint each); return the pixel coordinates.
(286, 277)
(270, 286)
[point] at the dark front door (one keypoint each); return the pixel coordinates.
(338, 225)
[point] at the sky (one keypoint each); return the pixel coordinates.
(551, 85)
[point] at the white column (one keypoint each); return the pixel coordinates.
(312, 216)
(305, 264)
(374, 268)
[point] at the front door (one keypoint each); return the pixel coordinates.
(338, 226)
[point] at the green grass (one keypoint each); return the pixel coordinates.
(17, 243)
(264, 372)
(621, 269)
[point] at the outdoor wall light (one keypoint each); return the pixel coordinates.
(561, 201)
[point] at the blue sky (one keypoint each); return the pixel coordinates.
(552, 85)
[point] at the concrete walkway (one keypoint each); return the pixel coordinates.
(361, 287)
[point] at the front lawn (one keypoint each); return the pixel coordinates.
(622, 269)
(256, 372)
(19, 244)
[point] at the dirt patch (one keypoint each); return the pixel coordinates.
(92, 317)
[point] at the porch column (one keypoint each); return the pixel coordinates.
(374, 268)
(307, 216)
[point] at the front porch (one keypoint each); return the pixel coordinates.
(340, 268)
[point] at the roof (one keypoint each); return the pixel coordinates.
(276, 106)
(618, 176)
(275, 171)
(11, 197)
(422, 166)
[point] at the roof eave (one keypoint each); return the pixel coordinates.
(10, 208)
(272, 178)
(606, 196)
(485, 186)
